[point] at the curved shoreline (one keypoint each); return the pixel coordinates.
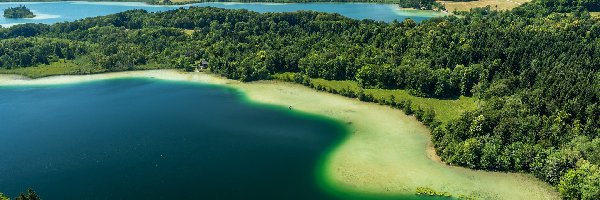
(383, 155)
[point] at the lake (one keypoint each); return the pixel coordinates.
(141, 138)
(53, 12)
(167, 134)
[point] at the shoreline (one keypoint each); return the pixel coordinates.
(384, 154)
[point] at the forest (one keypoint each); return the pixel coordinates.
(18, 12)
(536, 69)
(421, 4)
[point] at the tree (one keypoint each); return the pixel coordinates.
(28, 195)
(582, 182)
(489, 153)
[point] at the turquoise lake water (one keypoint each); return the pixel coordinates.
(151, 139)
(53, 12)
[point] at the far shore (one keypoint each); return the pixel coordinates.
(385, 153)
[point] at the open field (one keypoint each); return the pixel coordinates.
(188, 32)
(495, 4)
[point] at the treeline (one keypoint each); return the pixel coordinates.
(24, 52)
(571, 5)
(537, 70)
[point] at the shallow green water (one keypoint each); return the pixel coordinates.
(150, 139)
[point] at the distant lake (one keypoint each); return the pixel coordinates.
(53, 12)
(150, 139)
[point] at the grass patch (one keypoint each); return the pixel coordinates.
(62, 67)
(445, 109)
(80, 66)
(188, 32)
(494, 4)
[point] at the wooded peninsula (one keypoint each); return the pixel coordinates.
(536, 70)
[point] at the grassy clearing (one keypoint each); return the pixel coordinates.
(188, 32)
(495, 4)
(69, 67)
(62, 67)
(445, 109)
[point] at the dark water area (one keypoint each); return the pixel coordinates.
(151, 139)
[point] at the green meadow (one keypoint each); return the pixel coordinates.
(445, 109)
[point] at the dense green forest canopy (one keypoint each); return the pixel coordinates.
(18, 12)
(536, 68)
(571, 5)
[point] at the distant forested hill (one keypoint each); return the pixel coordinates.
(536, 68)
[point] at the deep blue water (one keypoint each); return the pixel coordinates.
(52, 12)
(151, 139)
